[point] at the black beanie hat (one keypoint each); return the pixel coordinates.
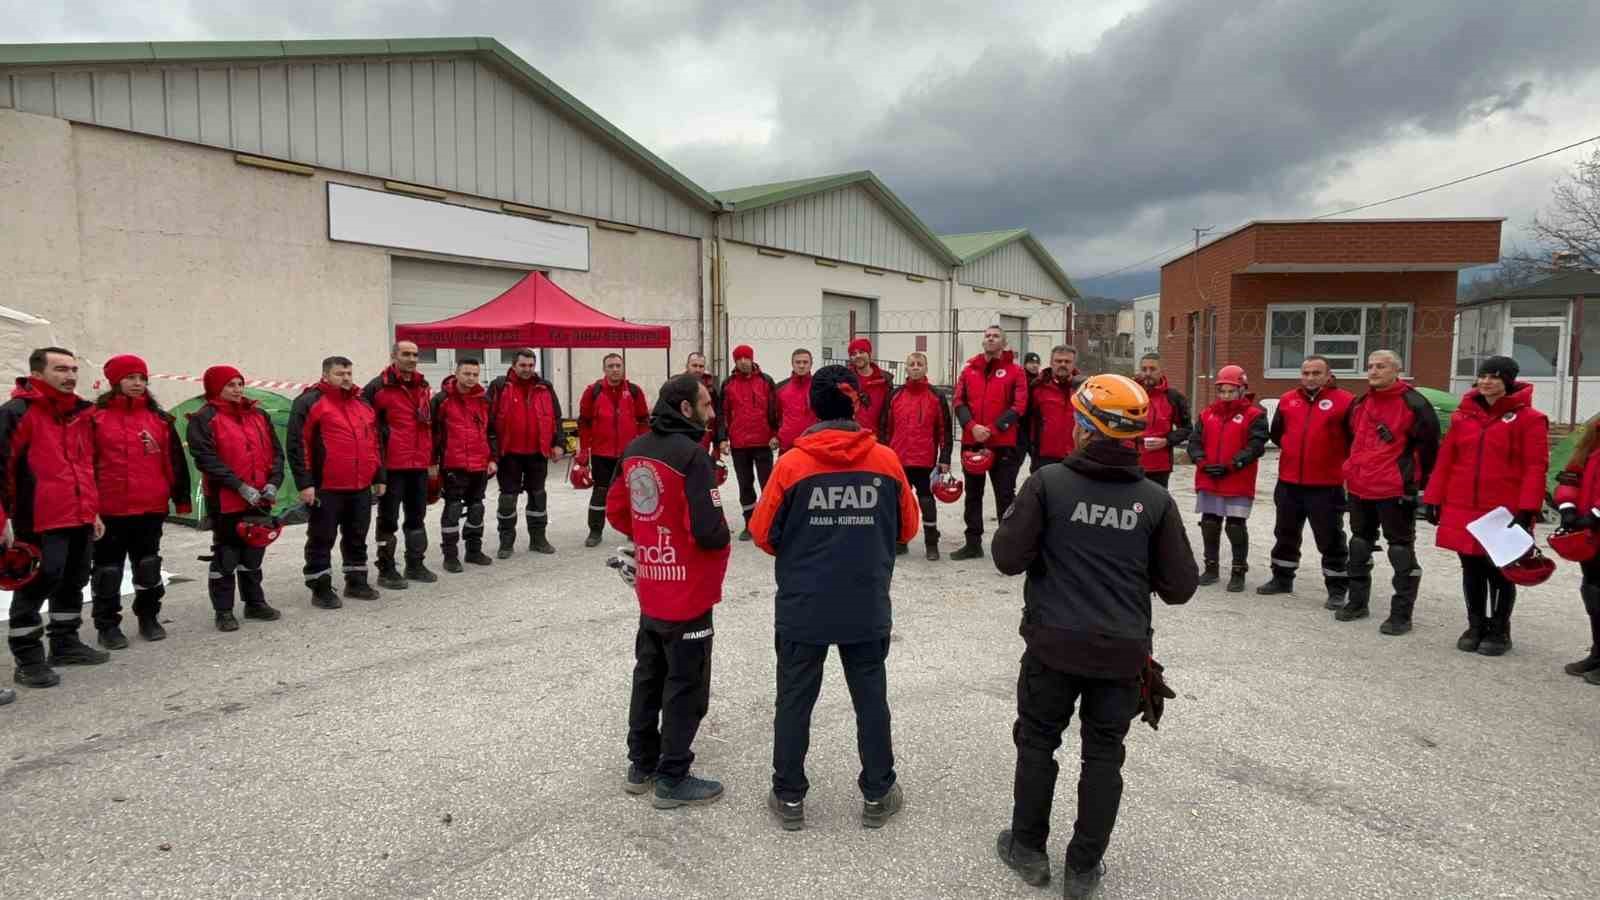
(1502, 367)
(827, 400)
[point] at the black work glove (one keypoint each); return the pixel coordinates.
(1430, 512)
(1243, 460)
(1153, 694)
(1571, 519)
(1215, 471)
(1526, 518)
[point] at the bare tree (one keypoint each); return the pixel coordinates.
(1572, 222)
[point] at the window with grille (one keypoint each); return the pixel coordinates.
(1344, 333)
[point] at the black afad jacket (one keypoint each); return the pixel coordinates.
(1095, 538)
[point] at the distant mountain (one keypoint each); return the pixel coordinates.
(1123, 287)
(1087, 305)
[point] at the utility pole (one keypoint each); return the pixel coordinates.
(1207, 345)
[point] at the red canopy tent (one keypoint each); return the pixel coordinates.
(534, 312)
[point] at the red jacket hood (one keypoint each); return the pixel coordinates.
(450, 386)
(918, 384)
(981, 362)
(35, 390)
(837, 444)
(233, 409)
(329, 389)
(1399, 387)
(1236, 405)
(391, 376)
(1160, 386)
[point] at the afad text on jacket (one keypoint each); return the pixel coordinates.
(47, 453)
(1230, 433)
(524, 415)
(1394, 437)
(333, 440)
(139, 463)
(610, 416)
(992, 393)
(1491, 456)
(1314, 432)
(916, 424)
(461, 427)
(404, 418)
(749, 409)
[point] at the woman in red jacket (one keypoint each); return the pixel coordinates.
(1229, 438)
(1578, 499)
(915, 423)
(1495, 454)
(139, 469)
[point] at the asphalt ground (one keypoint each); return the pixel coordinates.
(467, 740)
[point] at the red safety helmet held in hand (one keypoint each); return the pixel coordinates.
(1532, 568)
(977, 461)
(258, 531)
(1579, 545)
(947, 487)
(19, 564)
(580, 476)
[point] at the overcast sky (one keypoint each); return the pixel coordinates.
(1108, 127)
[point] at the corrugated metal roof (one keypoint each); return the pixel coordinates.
(488, 49)
(1561, 286)
(973, 245)
(756, 196)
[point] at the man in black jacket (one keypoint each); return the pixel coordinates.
(1096, 538)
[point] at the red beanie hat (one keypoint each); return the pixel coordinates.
(120, 367)
(860, 345)
(217, 378)
(743, 351)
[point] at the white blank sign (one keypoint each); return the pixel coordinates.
(362, 216)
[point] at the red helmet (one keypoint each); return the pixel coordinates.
(947, 487)
(977, 461)
(1530, 569)
(580, 477)
(1233, 375)
(435, 489)
(721, 469)
(1578, 546)
(19, 564)
(258, 531)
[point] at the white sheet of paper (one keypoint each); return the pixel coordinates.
(1502, 539)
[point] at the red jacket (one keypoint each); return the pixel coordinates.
(1169, 418)
(138, 458)
(1230, 433)
(875, 388)
(1491, 456)
(1394, 439)
(461, 427)
(992, 393)
(234, 445)
(405, 419)
(749, 409)
(915, 423)
(47, 459)
(1051, 416)
(524, 416)
(792, 398)
(333, 440)
(1314, 433)
(1579, 484)
(609, 416)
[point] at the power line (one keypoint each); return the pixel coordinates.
(1417, 193)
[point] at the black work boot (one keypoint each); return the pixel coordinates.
(420, 573)
(1399, 621)
(7, 696)
(1590, 663)
(35, 675)
(68, 650)
(876, 813)
(112, 638)
(1236, 579)
(538, 544)
(593, 540)
(476, 557)
(322, 595)
(1336, 595)
(389, 577)
(972, 549)
(1033, 865)
(1279, 583)
(1355, 607)
(791, 815)
(638, 781)
(686, 791)
(1082, 884)
(597, 527)
(1497, 636)
(901, 549)
(150, 628)
(508, 545)
(1592, 677)
(452, 562)
(262, 611)
(745, 535)
(930, 540)
(226, 621)
(1212, 573)
(357, 588)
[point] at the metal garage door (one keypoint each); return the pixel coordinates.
(837, 310)
(425, 291)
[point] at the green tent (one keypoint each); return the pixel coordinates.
(1444, 404)
(277, 409)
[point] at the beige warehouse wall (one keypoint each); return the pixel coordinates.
(174, 251)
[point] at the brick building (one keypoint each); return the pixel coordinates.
(1270, 293)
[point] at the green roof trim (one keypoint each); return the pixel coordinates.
(972, 245)
(757, 196)
(487, 49)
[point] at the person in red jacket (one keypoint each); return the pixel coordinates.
(1229, 439)
(525, 431)
(916, 424)
(1312, 426)
(665, 500)
(715, 440)
(47, 483)
(875, 384)
(1578, 501)
(1169, 424)
(336, 459)
(750, 419)
(1495, 454)
(611, 413)
(1050, 412)
(991, 396)
(400, 396)
(139, 470)
(1394, 440)
(237, 452)
(463, 449)
(792, 397)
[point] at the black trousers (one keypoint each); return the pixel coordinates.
(799, 683)
(347, 517)
(137, 541)
(921, 479)
(233, 564)
(1045, 700)
(517, 473)
(671, 692)
(1490, 596)
(64, 570)
(603, 468)
(1160, 478)
(751, 464)
(1324, 508)
(408, 490)
(463, 496)
(1398, 521)
(1003, 474)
